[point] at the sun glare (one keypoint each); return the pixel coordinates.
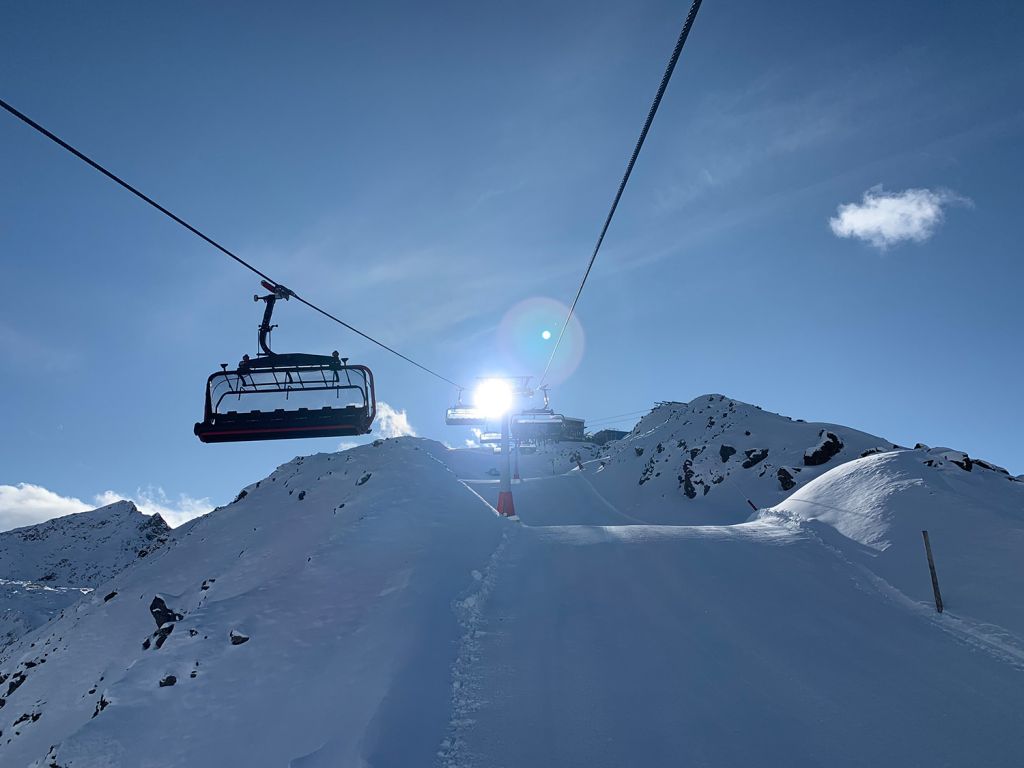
(493, 397)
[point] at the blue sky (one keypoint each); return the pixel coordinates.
(420, 171)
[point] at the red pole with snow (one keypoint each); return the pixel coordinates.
(506, 506)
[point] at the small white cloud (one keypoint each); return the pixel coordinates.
(27, 504)
(345, 445)
(887, 218)
(392, 422)
(154, 500)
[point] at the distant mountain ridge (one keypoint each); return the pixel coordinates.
(47, 566)
(83, 549)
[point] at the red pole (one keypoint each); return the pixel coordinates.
(506, 506)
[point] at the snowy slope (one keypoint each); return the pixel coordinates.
(313, 610)
(877, 507)
(700, 462)
(368, 608)
(46, 567)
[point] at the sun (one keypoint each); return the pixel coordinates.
(546, 335)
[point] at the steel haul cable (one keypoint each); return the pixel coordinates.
(118, 180)
(687, 24)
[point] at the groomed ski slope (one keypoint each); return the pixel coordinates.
(413, 627)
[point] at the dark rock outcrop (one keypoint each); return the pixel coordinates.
(161, 613)
(829, 446)
(754, 456)
(237, 638)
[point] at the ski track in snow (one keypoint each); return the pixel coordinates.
(467, 693)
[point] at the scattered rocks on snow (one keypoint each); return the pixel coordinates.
(828, 447)
(100, 705)
(16, 680)
(362, 480)
(726, 451)
(27, 717)
(639, 451)
(110, 597)
(168, 681)
(162, 634)
(786, 479)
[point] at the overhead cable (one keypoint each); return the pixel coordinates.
(687, 24)
(142, 196)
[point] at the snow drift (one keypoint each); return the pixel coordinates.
(974, 513)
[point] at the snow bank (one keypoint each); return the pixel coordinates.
(879, 505)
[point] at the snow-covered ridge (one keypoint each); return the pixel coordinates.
(46, 567)
(83, 549)
(707, 461)
(306, 612)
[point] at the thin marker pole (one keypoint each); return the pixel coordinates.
(931, 567)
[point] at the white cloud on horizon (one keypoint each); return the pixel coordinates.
(885, 218)
(27, 504)
(392, 422)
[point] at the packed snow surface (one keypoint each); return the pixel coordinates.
(368, 608)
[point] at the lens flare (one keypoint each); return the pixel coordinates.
(527, 333)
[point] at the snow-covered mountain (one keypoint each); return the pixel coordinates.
(709, 460)
(46, 567)
(368, 608)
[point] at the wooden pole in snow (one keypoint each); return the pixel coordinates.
(931, 567)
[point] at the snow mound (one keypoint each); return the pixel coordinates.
(973, 511)
(708, 461)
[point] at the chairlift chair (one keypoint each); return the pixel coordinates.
(327, 396)
(462, 415)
